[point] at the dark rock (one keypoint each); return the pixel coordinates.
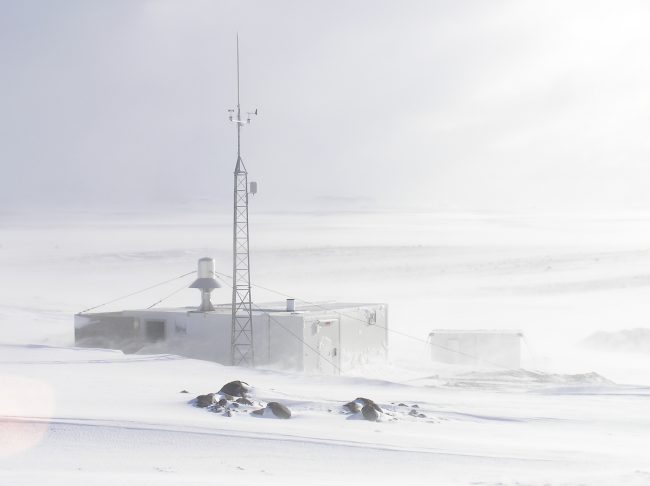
(421, 415)
(370, 413)
(184, 391)
(227, 413)
(415, 406)
(402, 405)
(229, 398)
(259, 412)
(357, 405)
(279, 410)
(234, 405)
(235, 388)
(413, 413)
(367, 401)
(353, 407)
(203, 401)
(222, 402)
(244, 401)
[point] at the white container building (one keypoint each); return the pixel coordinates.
(318, 338)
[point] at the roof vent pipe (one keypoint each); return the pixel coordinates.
(206, 283)
(291, 305)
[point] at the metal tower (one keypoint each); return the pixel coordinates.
(242, 314)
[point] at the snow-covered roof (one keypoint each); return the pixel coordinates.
(264, 308)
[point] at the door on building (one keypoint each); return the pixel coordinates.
(328, 342)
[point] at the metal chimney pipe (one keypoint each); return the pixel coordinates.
(291, 305)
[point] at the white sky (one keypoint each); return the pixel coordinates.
(455, 104)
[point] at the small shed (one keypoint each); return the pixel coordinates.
(481, 348)
(317, 338)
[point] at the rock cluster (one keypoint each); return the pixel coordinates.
(368, 408)
(234, 397)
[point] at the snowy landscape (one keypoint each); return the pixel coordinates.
(449, 260)
(575, 414)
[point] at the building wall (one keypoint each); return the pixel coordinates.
(364, 336)
(334, 340)
(192, 334)
(322, 333)
(205, 335)
(110, 331)
(286, 350)
(199, 335)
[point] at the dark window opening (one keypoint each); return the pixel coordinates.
(155, 331)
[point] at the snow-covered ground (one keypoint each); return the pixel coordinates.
(579, 415)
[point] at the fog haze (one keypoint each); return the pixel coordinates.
(448, 105)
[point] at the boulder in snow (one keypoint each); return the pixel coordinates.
(235, 388)
(203, 401)
(369, 412)
(370, 403)
(368, 408)
(279, 410)
(357, 405)
(353, 407)
(273, 410)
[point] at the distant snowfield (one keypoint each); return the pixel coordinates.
(83, 416)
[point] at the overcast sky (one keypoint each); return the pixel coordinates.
(454, 104)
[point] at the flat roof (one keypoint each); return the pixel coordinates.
(264, 308)
(301, 307)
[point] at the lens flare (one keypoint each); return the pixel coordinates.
(26, 409)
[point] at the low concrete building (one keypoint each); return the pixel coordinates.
(480, 348)
(318, 338)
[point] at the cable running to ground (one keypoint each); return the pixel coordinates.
(167, 297)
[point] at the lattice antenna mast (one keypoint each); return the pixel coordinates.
(242, 310)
